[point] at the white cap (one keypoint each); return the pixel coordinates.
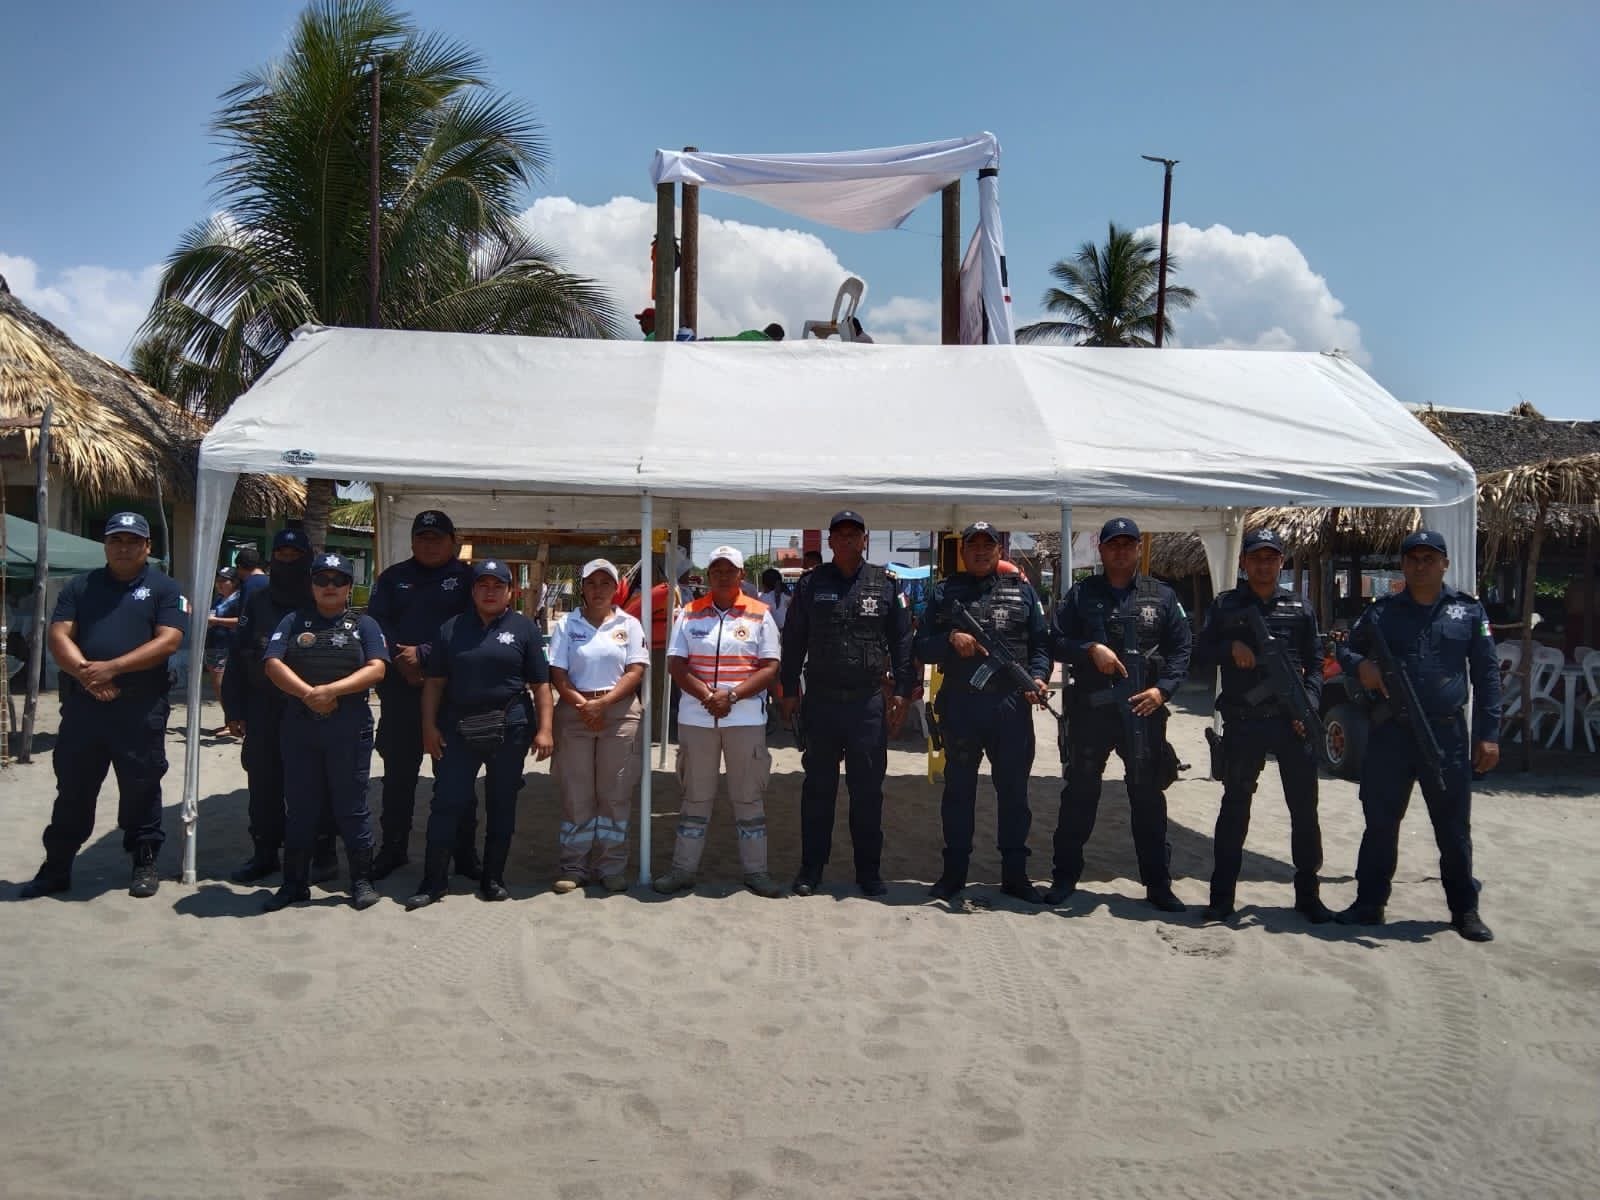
(729, 553)
(600, 564)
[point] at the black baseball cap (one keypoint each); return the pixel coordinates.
(432, 520)
(1424, 539)
(491, 568)
(980, 527)
(847, 516)
(227, 573)
(128, 522)
(1261, 539)
(336, 563)
(295, 538)
(1118, 527)
(248, 559)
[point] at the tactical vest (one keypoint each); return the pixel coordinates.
(1002, 609)
(257, 620)
(1107, 624)
(321, 656)
(847, 649)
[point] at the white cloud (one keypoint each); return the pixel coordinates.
(98, 307)
(1256, 292)
(750, 275)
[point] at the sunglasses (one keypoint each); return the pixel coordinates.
(328, 580)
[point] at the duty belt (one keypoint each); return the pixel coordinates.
(839, 695)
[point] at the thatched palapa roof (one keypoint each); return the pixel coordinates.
(111, 434)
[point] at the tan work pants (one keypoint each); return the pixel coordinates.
(597, 772)
(700, 754)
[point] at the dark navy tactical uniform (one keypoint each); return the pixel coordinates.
(1253, 731)
(126, 735)
(410, 602)
(327, 759)
(1440, 646)
(487, 670)
(848, 632)
(1093, 611)
(249, 696)
(994, 718)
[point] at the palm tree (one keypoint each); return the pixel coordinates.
(290, 245)
(1108, 295)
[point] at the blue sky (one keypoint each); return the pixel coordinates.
(1414, 183)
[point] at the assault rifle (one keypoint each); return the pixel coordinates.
(1135, 729)
(1404, 704)
(1283, 679)
(1000, 659)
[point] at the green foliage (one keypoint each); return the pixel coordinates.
(754, 564)
(1108, 295)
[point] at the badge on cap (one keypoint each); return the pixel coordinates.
(125, 519)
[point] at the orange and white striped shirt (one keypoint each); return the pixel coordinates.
(723, 648)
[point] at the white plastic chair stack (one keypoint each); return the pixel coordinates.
(1590, 717)
(1547, 664)
(842, 322)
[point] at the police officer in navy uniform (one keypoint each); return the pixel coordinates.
(1251, 731)
(476, 714)
(410, 601)
(847, 625)
(254, 708)
(981, 712)
(1441, 638)
(324, 658)
(111, 634)
(1090, 631)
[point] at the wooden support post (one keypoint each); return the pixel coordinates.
(41, 581)
(1144, 554)
(950, 264)
(666, 259)
(689, 272)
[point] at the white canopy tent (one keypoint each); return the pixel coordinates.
(514, 432)
(865, 191)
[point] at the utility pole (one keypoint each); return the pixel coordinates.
(1166, 216)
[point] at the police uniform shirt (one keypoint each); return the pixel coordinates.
(412, 602)
(487, 666)
(595, 659)
(1440, 646)
(817, 593)
(1289, 619)
(298, 624)
(933, 640)
(1085, 616)
(115, 617)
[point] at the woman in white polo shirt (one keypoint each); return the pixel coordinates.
(597, 663)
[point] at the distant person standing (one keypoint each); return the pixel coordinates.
(112, 633)
(220, 628)
(1440, 638)
(775, 595)
(410, 601)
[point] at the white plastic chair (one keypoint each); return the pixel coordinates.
(1589, 718)
(841, 323)
(1547, 664)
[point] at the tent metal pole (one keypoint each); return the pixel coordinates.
(646, 522)
(673, 572)
(1064, 567)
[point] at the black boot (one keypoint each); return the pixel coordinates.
(145, 880)
(1470, 926)
(391, 857)
(1060, 889)
(493, 885)
(1014, 882)
(1163, 898)
(362, 893)
(296, 888)
(260, 864)
(54, 875)
(949, 885)
(435, 878)
(1308, 900)
(466, 860)
(325, 859)
(1360, 914)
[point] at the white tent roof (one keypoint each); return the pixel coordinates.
(859, 190)
(513, 431)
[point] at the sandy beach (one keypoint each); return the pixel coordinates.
(721, 1045)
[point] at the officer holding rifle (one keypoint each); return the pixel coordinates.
(985, 704)
(1265, 640)
(1126, 639)
(1417, 649)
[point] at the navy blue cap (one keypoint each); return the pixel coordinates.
(432, 520)
(846, 516)
(1424, 539)
(295, 539)
(491, 568)
(333, 562)
(127, 522)
(227, 573)
(1118, 527)
(977, 527)
(1261, 539)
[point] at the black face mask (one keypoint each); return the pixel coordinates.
(289, 583)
